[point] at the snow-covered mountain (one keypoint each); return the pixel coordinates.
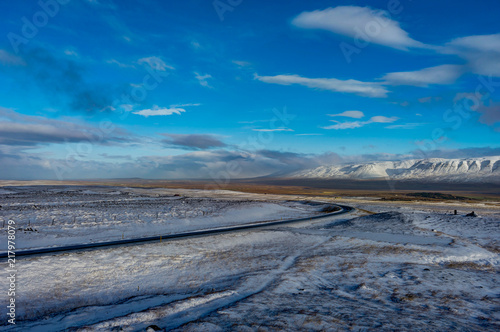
(485, 169)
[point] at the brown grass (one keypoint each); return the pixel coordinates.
(309, 187)
(467, 266)
(393, 250)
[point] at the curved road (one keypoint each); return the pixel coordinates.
(89, 246)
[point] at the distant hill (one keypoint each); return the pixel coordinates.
(485, 169)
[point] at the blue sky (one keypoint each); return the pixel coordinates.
(233, 89)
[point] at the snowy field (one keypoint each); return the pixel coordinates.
(408, 267)
(55, 216)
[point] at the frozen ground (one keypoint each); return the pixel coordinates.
(56, 216)
(406, 268)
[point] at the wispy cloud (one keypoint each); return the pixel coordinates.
(271, 130)
(484, 43)
(195, 45)
(186, 105)
(426, 100)
(108, 14)
(405, 126)
(203, 79)
(71, 52)
(159, 111)
(366, 89)
(253, 121)
(242, 63)
(345, 125)
(308, 134)
(354, 21)
(119, 64)
(444, 74)
(482, 53)
(383, 119)
(162, 111)
(350, 114)
(358, 124)
(155, 63)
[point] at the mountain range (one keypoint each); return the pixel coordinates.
(484, 169)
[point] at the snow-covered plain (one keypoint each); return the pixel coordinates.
(407, 267)
(54, 216)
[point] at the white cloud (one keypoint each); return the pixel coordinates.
(203, 79)
(367, 89)
(196, 45)
(345, 125)
(382, 119)
(482, 53)
(308, 134)
(405, 126)
(430, 99)
(253, 121)
(485, 43)
(425, 100)
(155, 63)
(156, 111)
(444, 74)
(119, 64)
(242, 63)
(70, 52)
(364, 23)
(350, 114)
(186, 105)
(126, 107)
(358, 124)
(271, 130)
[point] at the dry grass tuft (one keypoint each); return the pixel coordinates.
(467, 266)
(393, 250)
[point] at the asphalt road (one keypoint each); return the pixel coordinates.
(167, 237)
